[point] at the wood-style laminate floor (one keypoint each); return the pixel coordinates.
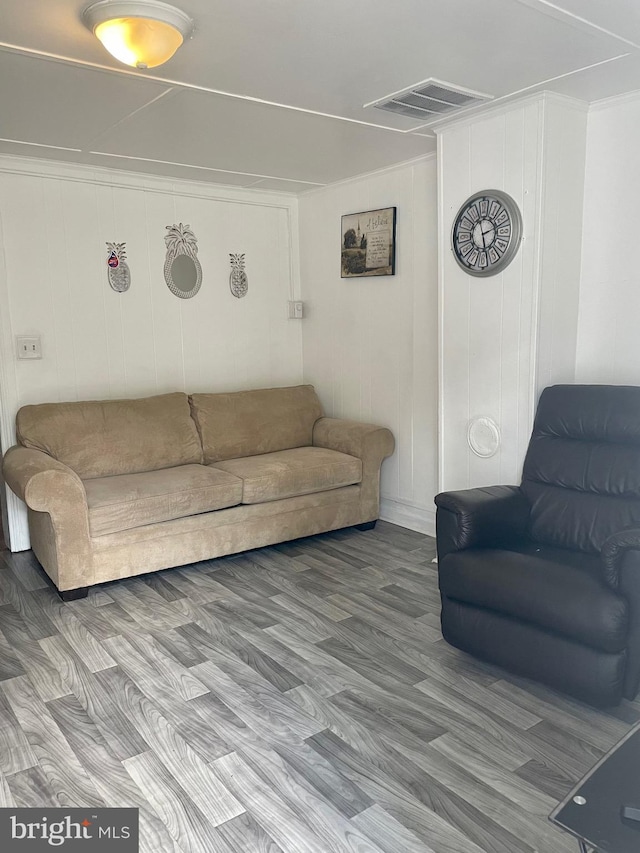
(294, 699)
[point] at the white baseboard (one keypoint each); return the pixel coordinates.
(419, 518)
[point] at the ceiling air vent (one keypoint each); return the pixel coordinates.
(430, 99)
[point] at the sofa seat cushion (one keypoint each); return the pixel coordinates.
(563, 598)
(134, 500)
(288, 473)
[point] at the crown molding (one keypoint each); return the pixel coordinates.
(491, 110)
(105, 176)
(431, 155)
(614, 101)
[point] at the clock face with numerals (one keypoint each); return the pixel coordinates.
(486, 233)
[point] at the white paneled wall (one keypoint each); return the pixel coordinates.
(562, 204)
(370, 344)
(487, 324)
(608, 336)
(503, 338)
(101, 344)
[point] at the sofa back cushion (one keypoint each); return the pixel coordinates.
(107, 437)
(247, 423)
(582, 469)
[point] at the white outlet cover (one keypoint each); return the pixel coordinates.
(29, 346)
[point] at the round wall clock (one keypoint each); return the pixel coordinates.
(486, 233)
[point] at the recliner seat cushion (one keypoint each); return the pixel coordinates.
(134, 500)
(102, 438)
(249, 423)
(559, 597)
(289, 473)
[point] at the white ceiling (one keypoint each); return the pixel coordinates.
(271, 94)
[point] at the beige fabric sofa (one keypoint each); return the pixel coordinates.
(117, 488)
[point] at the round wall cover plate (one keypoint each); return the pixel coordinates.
(483, 437)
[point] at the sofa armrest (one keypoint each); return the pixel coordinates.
(369, 443)
(366, 441)
(30, 474)
(49, 486)
(489, 517)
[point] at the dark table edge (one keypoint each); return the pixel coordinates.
(553, 817)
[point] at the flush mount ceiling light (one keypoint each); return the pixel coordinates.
(140, 33)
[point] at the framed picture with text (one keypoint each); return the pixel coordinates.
(369, 243)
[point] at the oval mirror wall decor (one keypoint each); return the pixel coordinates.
(182, 270)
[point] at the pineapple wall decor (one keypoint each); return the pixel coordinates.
(117, 268)
(238, 281)
(182, 270)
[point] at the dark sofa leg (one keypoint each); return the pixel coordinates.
(73, 594)
(368, 525)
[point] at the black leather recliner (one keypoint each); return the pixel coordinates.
(544, 579)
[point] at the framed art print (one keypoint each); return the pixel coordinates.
(369, 243)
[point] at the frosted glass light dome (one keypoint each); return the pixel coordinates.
(140, 33)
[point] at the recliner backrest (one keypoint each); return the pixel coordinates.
(582, 470)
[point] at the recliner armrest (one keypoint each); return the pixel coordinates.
(488, 517)
(620, 560)
(614, 550)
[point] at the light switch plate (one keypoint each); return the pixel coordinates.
(29, 346)
(295, 310)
